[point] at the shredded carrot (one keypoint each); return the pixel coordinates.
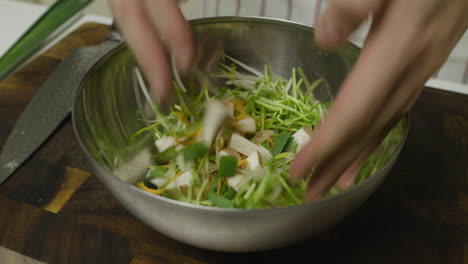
(188, 142)
(241, 116)
(242, 163)
(159, 191)
(150, 190)
(182, 118)
(208, 187)
(173, 179)
(270, 142)
(218, 188)
(189, 139)
(239, 109)
(198, 132)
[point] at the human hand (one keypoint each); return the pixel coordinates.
(150, 27)
(408, 41)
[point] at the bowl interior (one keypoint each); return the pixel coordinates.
(110, 107)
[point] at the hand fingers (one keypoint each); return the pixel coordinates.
(350, 123)
(142, 37)
(360, 97)
(174, 31)
(383, 85)
(325, 175)
(347, 179)
(330, 169)
(341, 18)
(430, 58)
(402, 99)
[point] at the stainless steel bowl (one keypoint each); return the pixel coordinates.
(107, 107)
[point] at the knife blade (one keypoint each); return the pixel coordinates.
(51, 105)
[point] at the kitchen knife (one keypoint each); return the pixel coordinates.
(50, 105)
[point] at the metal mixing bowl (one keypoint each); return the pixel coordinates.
(108, 106)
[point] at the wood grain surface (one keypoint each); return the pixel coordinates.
(54, 210)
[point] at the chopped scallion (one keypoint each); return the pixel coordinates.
(280, 143)
(227, 166)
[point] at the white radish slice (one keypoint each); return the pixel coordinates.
(215, 115)
(164, 143)
(242, 145)
(246, 125)
(253, 161)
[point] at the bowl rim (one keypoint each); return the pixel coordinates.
(226, 19)
(263, 20)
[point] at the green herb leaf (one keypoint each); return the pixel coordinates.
(230, 193)
(227, 166)
(219, 200)
(157, 172)
(166, 156)
(195, 151)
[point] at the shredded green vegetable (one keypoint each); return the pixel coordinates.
(258, 129)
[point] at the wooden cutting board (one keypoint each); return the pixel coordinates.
(54, 210)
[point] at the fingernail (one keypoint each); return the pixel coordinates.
(161, 95)
(313, 195)
(156, 90)
(299, 167)
(295, 176)
(182, 64)
(347, 179)
(165, 102)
